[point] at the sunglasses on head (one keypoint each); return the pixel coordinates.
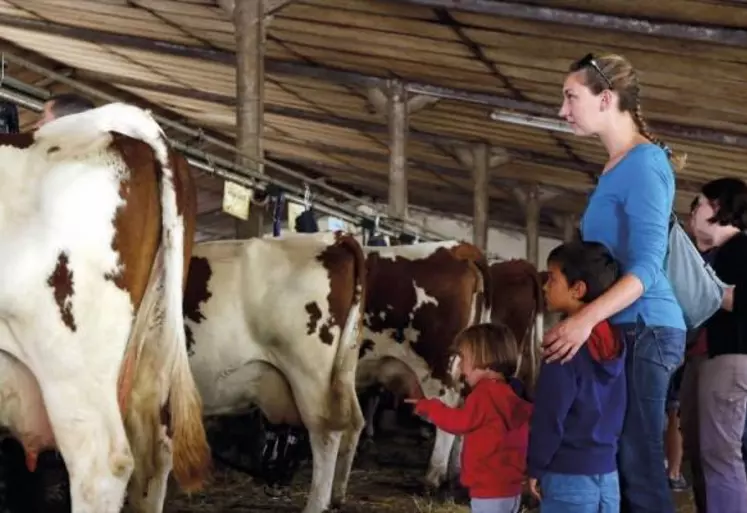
(589, 61)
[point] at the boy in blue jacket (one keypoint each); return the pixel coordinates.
(580, 405)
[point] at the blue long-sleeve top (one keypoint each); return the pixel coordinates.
(629, 212)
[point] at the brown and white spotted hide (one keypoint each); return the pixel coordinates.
(275, 322)
(419, 298)
(518, 302)
(107, 212)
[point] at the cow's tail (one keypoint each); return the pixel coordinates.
(191, 453)
(473, 254)
(343, 400)
(531, 350)
(527, 367)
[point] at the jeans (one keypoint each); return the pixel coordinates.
(673, 391)
(561, 493)
(722, 399)
(653, 354)
(496, 505)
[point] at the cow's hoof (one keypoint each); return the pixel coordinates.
(366, 444)
(277, 492)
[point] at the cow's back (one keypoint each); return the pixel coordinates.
(422, 295)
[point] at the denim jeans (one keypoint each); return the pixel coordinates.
(496, 505)
(653, 354)
(571, 493)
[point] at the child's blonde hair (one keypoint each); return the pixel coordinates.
(491, 345)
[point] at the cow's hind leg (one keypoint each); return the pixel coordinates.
(91, 438)
(348, 445)
(325, 445)
(153, 464)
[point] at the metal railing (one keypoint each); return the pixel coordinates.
(389, 226)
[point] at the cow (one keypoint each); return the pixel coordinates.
(419, 298)
(97, 219)
(518, 301)
(275, 322)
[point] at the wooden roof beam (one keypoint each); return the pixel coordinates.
(690, 32)
(271, 6)
(280, 67)
(378, 100)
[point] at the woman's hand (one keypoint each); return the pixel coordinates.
(564, 339)
(727, 303)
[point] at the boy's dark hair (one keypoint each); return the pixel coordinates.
(69, 103)
(589, 262)
(729, 195)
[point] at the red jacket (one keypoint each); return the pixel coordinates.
(495, 425)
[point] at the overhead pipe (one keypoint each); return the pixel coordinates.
(702, 33)
(228, 170)
(296, 198)
(410, 227)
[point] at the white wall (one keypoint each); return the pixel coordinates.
(502, 244)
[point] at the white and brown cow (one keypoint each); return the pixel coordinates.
(419, 298)
(96, 220)
(275, 322)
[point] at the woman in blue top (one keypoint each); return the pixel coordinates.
(629, 212)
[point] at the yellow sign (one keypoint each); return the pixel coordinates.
(236, 200)
(294, 210)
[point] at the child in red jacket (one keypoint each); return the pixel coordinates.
(494, 419)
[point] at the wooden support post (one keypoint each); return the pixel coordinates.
(569, 228)
(481, 181)
(250, 41)
(533, 219)
(397, 117)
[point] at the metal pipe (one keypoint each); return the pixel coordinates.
(19, 99)
(296, 198)
(229, 171)
(193, 133)
(707, 34)
(25, 88)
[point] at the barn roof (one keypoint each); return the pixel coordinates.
(328, 60)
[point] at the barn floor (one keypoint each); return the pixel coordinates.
(387, 480)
